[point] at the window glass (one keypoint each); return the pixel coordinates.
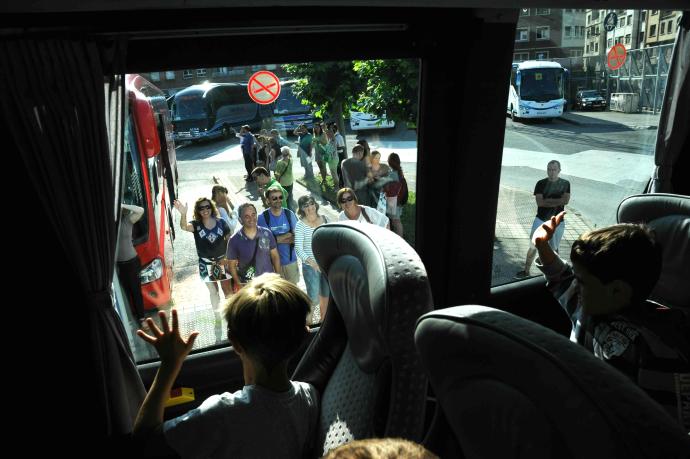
(206, 116)
(603, 141)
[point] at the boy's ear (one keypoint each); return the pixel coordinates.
(236, 346)
(621, 290)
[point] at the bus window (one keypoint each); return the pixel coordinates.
(580, 132)
(201, 110)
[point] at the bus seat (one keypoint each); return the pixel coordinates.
(511, 388)
(363, 361)
(669, 216)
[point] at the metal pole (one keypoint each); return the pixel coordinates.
(643, 54)
(656, 80)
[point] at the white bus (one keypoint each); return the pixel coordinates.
(536, 90)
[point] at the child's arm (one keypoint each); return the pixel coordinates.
(172, 350)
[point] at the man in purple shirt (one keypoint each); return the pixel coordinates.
(252, 251)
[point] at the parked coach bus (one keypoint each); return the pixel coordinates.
(536, 90)
(214, 110)
(151, 182)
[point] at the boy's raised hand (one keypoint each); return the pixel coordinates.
(544, 233)
(171, 347)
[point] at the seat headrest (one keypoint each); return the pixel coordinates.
(668, 215)
(378, 285)
(643, 208)
(581, 396)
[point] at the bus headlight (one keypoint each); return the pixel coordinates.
(151, 272)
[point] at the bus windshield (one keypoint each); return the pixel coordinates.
(288, 103)
(189, 106)
(541, 85)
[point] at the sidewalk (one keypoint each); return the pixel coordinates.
(608, 118)
(514, 217)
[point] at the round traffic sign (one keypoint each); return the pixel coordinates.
(263, 87)
(616, 57)
(610, 21)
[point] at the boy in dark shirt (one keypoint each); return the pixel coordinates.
(604, 292)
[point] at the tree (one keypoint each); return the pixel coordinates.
(389, 86)
(329, 87)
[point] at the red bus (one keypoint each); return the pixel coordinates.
(150, 181)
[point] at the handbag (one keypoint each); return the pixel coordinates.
(247, 273)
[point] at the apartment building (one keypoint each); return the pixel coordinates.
(546, 33)
(662, 26)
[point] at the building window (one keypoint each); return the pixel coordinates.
(522, 34)
(662, 29)
(541, 55)
(524, 12)
(518, 57)
(609, 42)
(575, 53)
(169, 75)
(669, 28)
(641, 39)
(596, 47)
(630, 19)
(655, 12)
(568, 31)
(622, 22)
(596, 30)
(627, 39)
(543, 11)
(155, 76)
(643, 15)
(187, 74)
(589, 19)
(543, 33)
(201, 72)
(652, 30)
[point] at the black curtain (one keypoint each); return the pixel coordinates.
(675, 116)
(66, 121)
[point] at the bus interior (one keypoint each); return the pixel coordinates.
(79, 377)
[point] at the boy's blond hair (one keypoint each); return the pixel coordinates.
(268, 317)
(380, 448)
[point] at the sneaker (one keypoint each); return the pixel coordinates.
(521, 274)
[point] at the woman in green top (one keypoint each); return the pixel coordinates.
(318, 143)
(283, 173)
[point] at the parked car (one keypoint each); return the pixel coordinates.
(590, 99)
(360, 121)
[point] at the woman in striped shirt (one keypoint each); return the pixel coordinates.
(316, 282)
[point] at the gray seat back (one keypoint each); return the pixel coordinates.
(363, 361)
(511, 388)
(669, 216)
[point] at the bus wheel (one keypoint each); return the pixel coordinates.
(225, 132)
(512, 114)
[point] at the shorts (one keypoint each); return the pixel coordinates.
(557, 236)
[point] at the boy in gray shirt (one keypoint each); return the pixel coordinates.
(271, 416)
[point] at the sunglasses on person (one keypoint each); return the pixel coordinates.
(276, 198)
(307, 204)
(345, 199)
(206, 207)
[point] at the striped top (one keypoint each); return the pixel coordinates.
(303, 235)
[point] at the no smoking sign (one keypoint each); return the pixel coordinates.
(263, 87)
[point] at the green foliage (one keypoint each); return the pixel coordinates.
(390, 86)
(377, 86)
(325, 85)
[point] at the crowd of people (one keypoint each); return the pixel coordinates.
(234, 247)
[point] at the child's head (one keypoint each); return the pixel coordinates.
(615, 266)
(380, 448)
(267, 318)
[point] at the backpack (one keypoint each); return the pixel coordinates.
(402, 194)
